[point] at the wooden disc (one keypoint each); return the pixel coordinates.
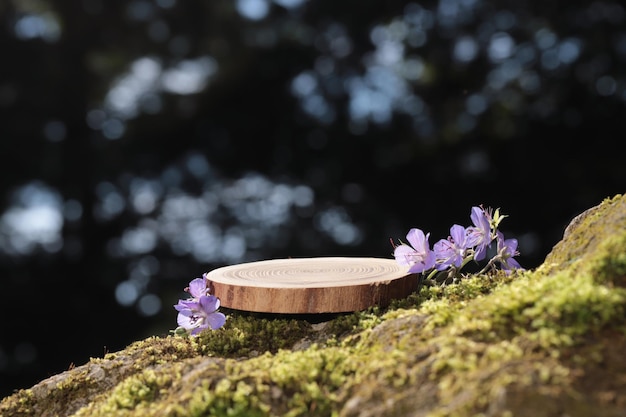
(311, 285)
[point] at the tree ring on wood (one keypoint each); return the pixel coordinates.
(311, 285)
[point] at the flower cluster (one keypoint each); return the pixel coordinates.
(199, 312)
(463, 245)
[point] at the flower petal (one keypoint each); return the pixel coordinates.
(404, 254)
(423, 264)
(480, 220)
(186, 319)
(197, 287)
(430, 260)
(513, 264)
(216, 320)
(511, 245)
(481, 252)
(457, 232)
(187, 305)
(209, 303)
(418, 240)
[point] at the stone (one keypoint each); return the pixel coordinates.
(545, 342)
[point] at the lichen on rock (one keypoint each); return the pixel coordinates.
(537, 343)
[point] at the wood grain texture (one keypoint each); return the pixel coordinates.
(311, 285)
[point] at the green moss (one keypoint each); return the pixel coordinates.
(588, 230)
(225, 399)
(19, 404)
(247, 334)
(350, 324)
(490, 344)
(143, 388)
(610, 266)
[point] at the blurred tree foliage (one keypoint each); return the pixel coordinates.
(147, 141)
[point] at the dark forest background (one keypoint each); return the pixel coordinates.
(144, 142)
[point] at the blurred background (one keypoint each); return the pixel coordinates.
(144, 142)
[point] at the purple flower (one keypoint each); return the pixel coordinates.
(198, 287)
(479, 236)
(419, 258)
(507, 249)
(198, 315)
(452, 250)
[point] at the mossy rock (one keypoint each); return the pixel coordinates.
(547, 342)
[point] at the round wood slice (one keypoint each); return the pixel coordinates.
(311, 285)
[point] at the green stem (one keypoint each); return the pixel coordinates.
(489, 265)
